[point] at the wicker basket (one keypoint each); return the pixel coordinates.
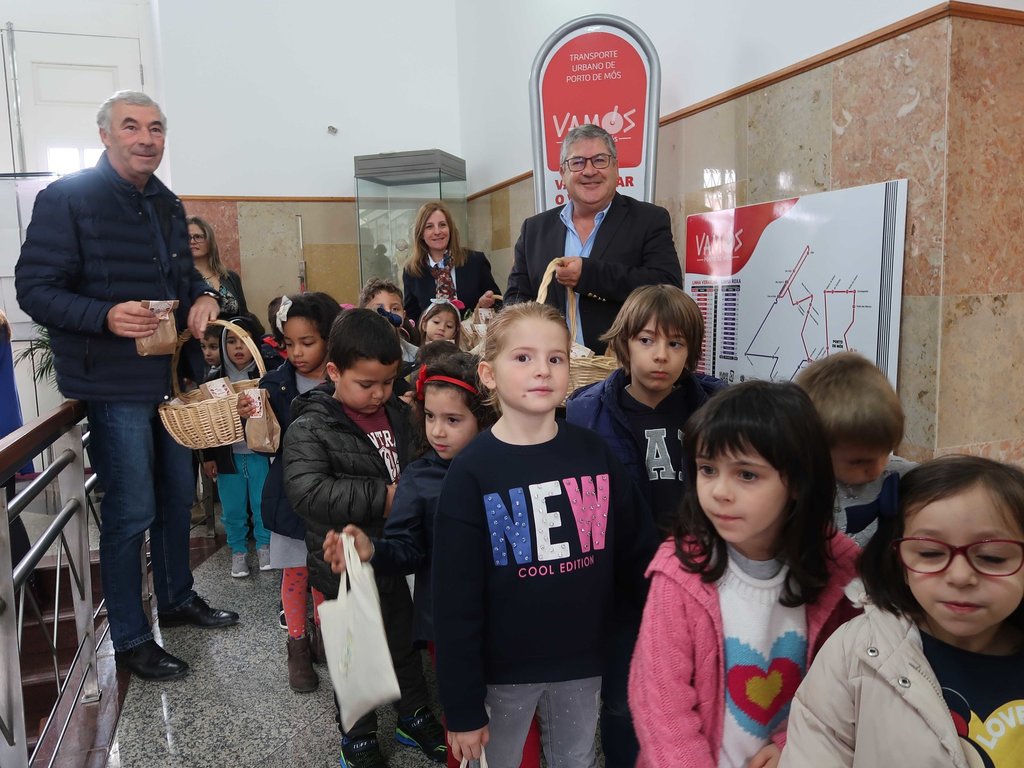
(582, 370)
(197, 423)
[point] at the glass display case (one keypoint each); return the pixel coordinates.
(390, 188)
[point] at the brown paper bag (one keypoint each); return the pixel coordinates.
(215, 388)
(165, 339)
(262, 432)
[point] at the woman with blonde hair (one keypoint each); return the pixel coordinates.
(439, 267)
(206, 256)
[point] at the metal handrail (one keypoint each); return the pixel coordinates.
(61, 430)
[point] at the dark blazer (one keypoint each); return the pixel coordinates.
(633, 247)
(472, 280)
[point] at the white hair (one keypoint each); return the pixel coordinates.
(135, 98)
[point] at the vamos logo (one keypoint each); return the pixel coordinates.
(595, 78)
(614, 122)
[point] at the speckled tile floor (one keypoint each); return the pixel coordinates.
(234, 709)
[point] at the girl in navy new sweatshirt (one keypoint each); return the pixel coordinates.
(539, 529)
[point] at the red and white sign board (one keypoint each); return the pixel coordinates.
(601, 70)
(782, 284)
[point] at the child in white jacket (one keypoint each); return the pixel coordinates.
(933, 673)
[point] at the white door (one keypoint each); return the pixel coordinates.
(61, 81)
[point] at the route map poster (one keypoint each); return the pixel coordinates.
(785, 283)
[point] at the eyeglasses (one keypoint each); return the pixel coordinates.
(992, 557)
(196, 238)
(577, 164)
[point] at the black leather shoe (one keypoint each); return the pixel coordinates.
(199, 614)
(150, 662)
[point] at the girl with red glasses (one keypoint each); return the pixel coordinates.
(933, 672)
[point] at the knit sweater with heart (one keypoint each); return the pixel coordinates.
(678, 686)
(765, 656)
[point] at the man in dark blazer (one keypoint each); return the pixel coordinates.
(607, 244)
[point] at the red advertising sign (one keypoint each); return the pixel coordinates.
(597, 78)
(600, 70)
(721, 242)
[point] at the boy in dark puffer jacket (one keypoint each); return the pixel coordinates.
(342, 456)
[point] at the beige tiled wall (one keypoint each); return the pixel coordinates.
(939, 106)
(260, 240)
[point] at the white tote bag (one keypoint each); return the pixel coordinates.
(357, 649)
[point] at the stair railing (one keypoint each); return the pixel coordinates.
(62, 430)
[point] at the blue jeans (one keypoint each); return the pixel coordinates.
(246, 482)
(148, 483)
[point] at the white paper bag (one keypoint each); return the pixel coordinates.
(468, 763)
(356, 647)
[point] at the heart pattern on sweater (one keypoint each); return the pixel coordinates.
(759, 690)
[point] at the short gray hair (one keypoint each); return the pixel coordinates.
(582, 132)
(135, 98)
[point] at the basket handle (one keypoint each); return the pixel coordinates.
(570, 298)
(238, 330)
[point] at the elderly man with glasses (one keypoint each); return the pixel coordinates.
(607, 244)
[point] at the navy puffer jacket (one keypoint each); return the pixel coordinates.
(91, 245)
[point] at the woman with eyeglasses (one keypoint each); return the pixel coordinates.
(439, 267)
(228, 284)
(933, 672)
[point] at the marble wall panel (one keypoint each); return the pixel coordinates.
(222, 215)
(269, 239)
(495, 220)
(980, 397)
(985, 212)
(715, 158)
(501, 264)
(501, 225)
(917, 377)
(1011, 451)
(329, 221)
(669, 189)
(334, 269)
(521, 206)
(889, 122)
(702, 165)
(269, 242)
(478, 234)
(788, 137)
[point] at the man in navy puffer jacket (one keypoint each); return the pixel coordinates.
(100, 242)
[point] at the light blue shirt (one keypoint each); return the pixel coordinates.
(576, 247)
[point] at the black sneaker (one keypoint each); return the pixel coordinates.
(362, 752)
(423, 732)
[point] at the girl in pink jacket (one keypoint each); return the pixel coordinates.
(748, 588)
